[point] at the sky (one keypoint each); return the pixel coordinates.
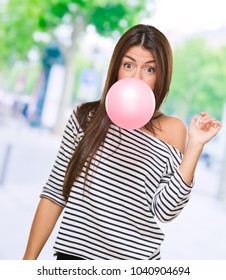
(189, 16)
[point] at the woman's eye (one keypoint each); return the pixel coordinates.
(150, 69)
(127, 65)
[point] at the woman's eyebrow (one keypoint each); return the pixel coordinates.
(150, 61)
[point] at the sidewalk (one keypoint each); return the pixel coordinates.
(198, 233)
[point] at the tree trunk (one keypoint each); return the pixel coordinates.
(69, 78)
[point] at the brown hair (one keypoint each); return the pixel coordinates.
(96, 128)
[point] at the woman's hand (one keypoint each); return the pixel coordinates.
(202, 130)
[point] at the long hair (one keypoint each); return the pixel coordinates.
(96, 127)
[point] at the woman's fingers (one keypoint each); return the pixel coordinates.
(207, 119)
(206, 122)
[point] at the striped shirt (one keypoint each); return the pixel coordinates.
(133, 179)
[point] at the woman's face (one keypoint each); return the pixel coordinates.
(138, 63)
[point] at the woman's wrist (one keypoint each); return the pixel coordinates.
(190, 160)
(195, 145)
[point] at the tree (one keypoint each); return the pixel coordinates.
(198, 79)
(29, 24)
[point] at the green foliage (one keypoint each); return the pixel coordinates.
(198, 82)
(115, 17)
(108, 18)
(21, 19)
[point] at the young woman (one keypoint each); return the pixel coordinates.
(112, 182)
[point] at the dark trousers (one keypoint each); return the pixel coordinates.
(62, 256)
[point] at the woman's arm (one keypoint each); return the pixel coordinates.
(176, 184)
(52, 201)
(199, 133)
(201, 130)
(46, 216)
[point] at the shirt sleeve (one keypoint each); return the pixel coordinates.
(172, 194)
(53, 188)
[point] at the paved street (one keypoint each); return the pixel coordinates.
(198, 233)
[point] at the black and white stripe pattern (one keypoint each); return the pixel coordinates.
(133, 178)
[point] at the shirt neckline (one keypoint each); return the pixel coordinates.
(156, 139)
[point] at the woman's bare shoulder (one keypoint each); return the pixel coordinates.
(173, 131)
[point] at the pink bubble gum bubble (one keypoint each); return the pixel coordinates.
(130, 103)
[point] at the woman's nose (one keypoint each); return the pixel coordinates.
(137, 74)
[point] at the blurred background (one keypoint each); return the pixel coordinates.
(54, 55)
